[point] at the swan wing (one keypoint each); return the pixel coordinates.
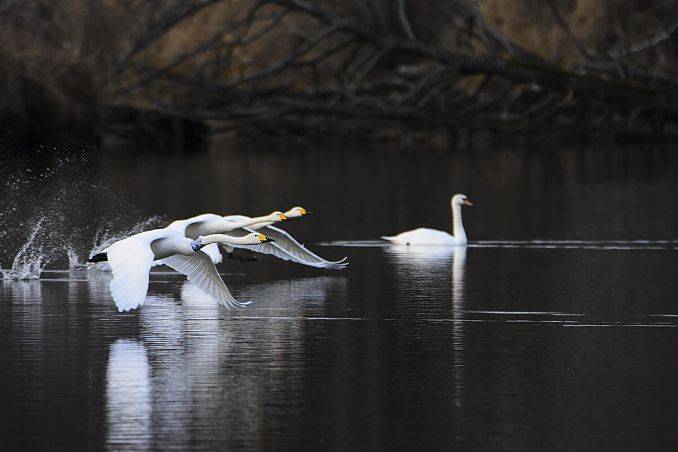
(288, 248)
(130, 260)
(213, 251)
(201, 271)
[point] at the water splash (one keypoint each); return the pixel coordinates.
(74, 263)
(53, 208)
(105, 238)
(31, 258)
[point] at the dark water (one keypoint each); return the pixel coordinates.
(521, 341)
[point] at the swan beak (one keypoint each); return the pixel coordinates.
(264, 239)
(305, 212)
(467, 202)
(283, 217)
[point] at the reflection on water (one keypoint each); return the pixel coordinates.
(511, 343)
(423, 267)
(26, 291)
(418, 341)
(300, 293)
(128, 396)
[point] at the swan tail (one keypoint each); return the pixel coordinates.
(99, 257)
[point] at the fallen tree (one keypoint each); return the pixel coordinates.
(341, 65)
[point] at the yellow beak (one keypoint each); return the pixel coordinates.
(283, 217)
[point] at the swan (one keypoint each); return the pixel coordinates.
(294, 212)
(209, 223)
(426, 236)
(286, 247)
(131, 260)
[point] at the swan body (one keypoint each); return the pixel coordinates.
(131, 260)
(433, 237)
(424, 236)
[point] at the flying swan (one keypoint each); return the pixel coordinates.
(209, 223)
(284, 246)
(131, 260)
(287, 247)
(426, 236)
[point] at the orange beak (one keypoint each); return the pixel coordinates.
(467, 202)
(283, 217)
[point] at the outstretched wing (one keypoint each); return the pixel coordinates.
(287, 248)
(214, 253)
(201, 271)
(130, 261)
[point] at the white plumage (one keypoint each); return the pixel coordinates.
(287, 248)
(131, 260)
(200, 270)
(283, 245)
(433, 237)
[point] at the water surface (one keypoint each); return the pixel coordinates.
(555, 329)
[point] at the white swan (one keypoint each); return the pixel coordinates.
(131, 260)
(426, 236)
(286, 247)
(209, 223)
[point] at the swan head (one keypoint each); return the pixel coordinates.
(277, 216)
(461, 200)
(296, 212)
(254, 238)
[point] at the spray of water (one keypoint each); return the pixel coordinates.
(53, 209)
(105, 237)
(30, 260)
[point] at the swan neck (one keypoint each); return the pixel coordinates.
(457, 224)
(248, 222)
(258, 226)
(221, 238)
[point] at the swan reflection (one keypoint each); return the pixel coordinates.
(425, 267)
(431, 264)
(128, 396)
(300, 293)
(195, 346)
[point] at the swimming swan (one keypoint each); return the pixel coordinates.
(285, 246)
(426, 236)
(131, 260)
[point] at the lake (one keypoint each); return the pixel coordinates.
(555, 329)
